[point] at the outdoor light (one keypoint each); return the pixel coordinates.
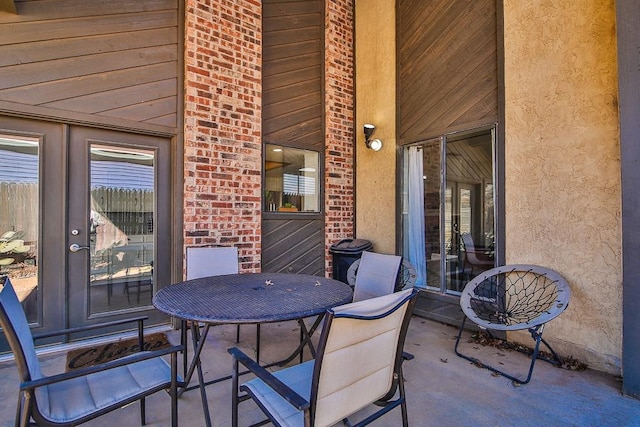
(374, 144)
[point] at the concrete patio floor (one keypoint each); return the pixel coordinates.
(442, 388)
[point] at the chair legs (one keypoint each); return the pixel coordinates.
(234, 394)
(143, 412)
(173, 391)
(23, 410)
(387, 405)
(536, 335)
(258, 342)
(403, 405)
(257, 339)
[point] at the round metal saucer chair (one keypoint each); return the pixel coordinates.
(515, 297)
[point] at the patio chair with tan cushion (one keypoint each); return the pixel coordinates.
(373, 275)
(405, 278)
(358, 363)
(203, 261)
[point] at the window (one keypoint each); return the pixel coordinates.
(291, 180)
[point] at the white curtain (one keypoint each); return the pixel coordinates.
(415, 229)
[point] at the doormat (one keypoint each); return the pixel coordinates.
(90, 356)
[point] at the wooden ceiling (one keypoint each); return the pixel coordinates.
(469, 159)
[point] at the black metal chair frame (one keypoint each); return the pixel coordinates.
(27, 405)
(515, 297)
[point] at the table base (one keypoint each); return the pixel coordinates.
(198, 340)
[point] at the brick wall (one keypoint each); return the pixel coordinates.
(222, 139)
(339, 122)
(222, 145)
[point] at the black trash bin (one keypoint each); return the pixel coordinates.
(345, 252)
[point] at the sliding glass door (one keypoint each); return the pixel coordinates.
(457, 173)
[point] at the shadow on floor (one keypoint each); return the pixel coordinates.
(442, 389)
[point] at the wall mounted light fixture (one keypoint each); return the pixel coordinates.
(374, 144)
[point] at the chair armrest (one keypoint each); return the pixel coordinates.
(278, 386)
(137, 357)
(68, 331)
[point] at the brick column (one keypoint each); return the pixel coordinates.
(339, 121)
(222, 143)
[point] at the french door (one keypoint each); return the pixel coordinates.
(118, 222)
(84, 221)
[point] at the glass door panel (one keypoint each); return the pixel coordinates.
(32, 246)
(118, 224)
(469, 171)
(453, 220)
(432, 213)
(121, 227)
(19, 217)
(458, 199)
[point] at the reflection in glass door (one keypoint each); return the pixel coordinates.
(121, 227)
(19, 217)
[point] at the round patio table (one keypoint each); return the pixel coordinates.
(250, 298)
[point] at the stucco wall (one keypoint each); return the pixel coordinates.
(562, 164)
(376, 104)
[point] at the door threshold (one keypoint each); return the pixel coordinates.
(439, 307)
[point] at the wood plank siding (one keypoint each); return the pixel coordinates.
(295, 246)
(293, 115)
(292, 73)
(447, 66)
(116, 59)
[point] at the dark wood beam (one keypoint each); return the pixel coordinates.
(628, 12)
(8, 6)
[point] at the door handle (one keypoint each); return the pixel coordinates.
(76, 247)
